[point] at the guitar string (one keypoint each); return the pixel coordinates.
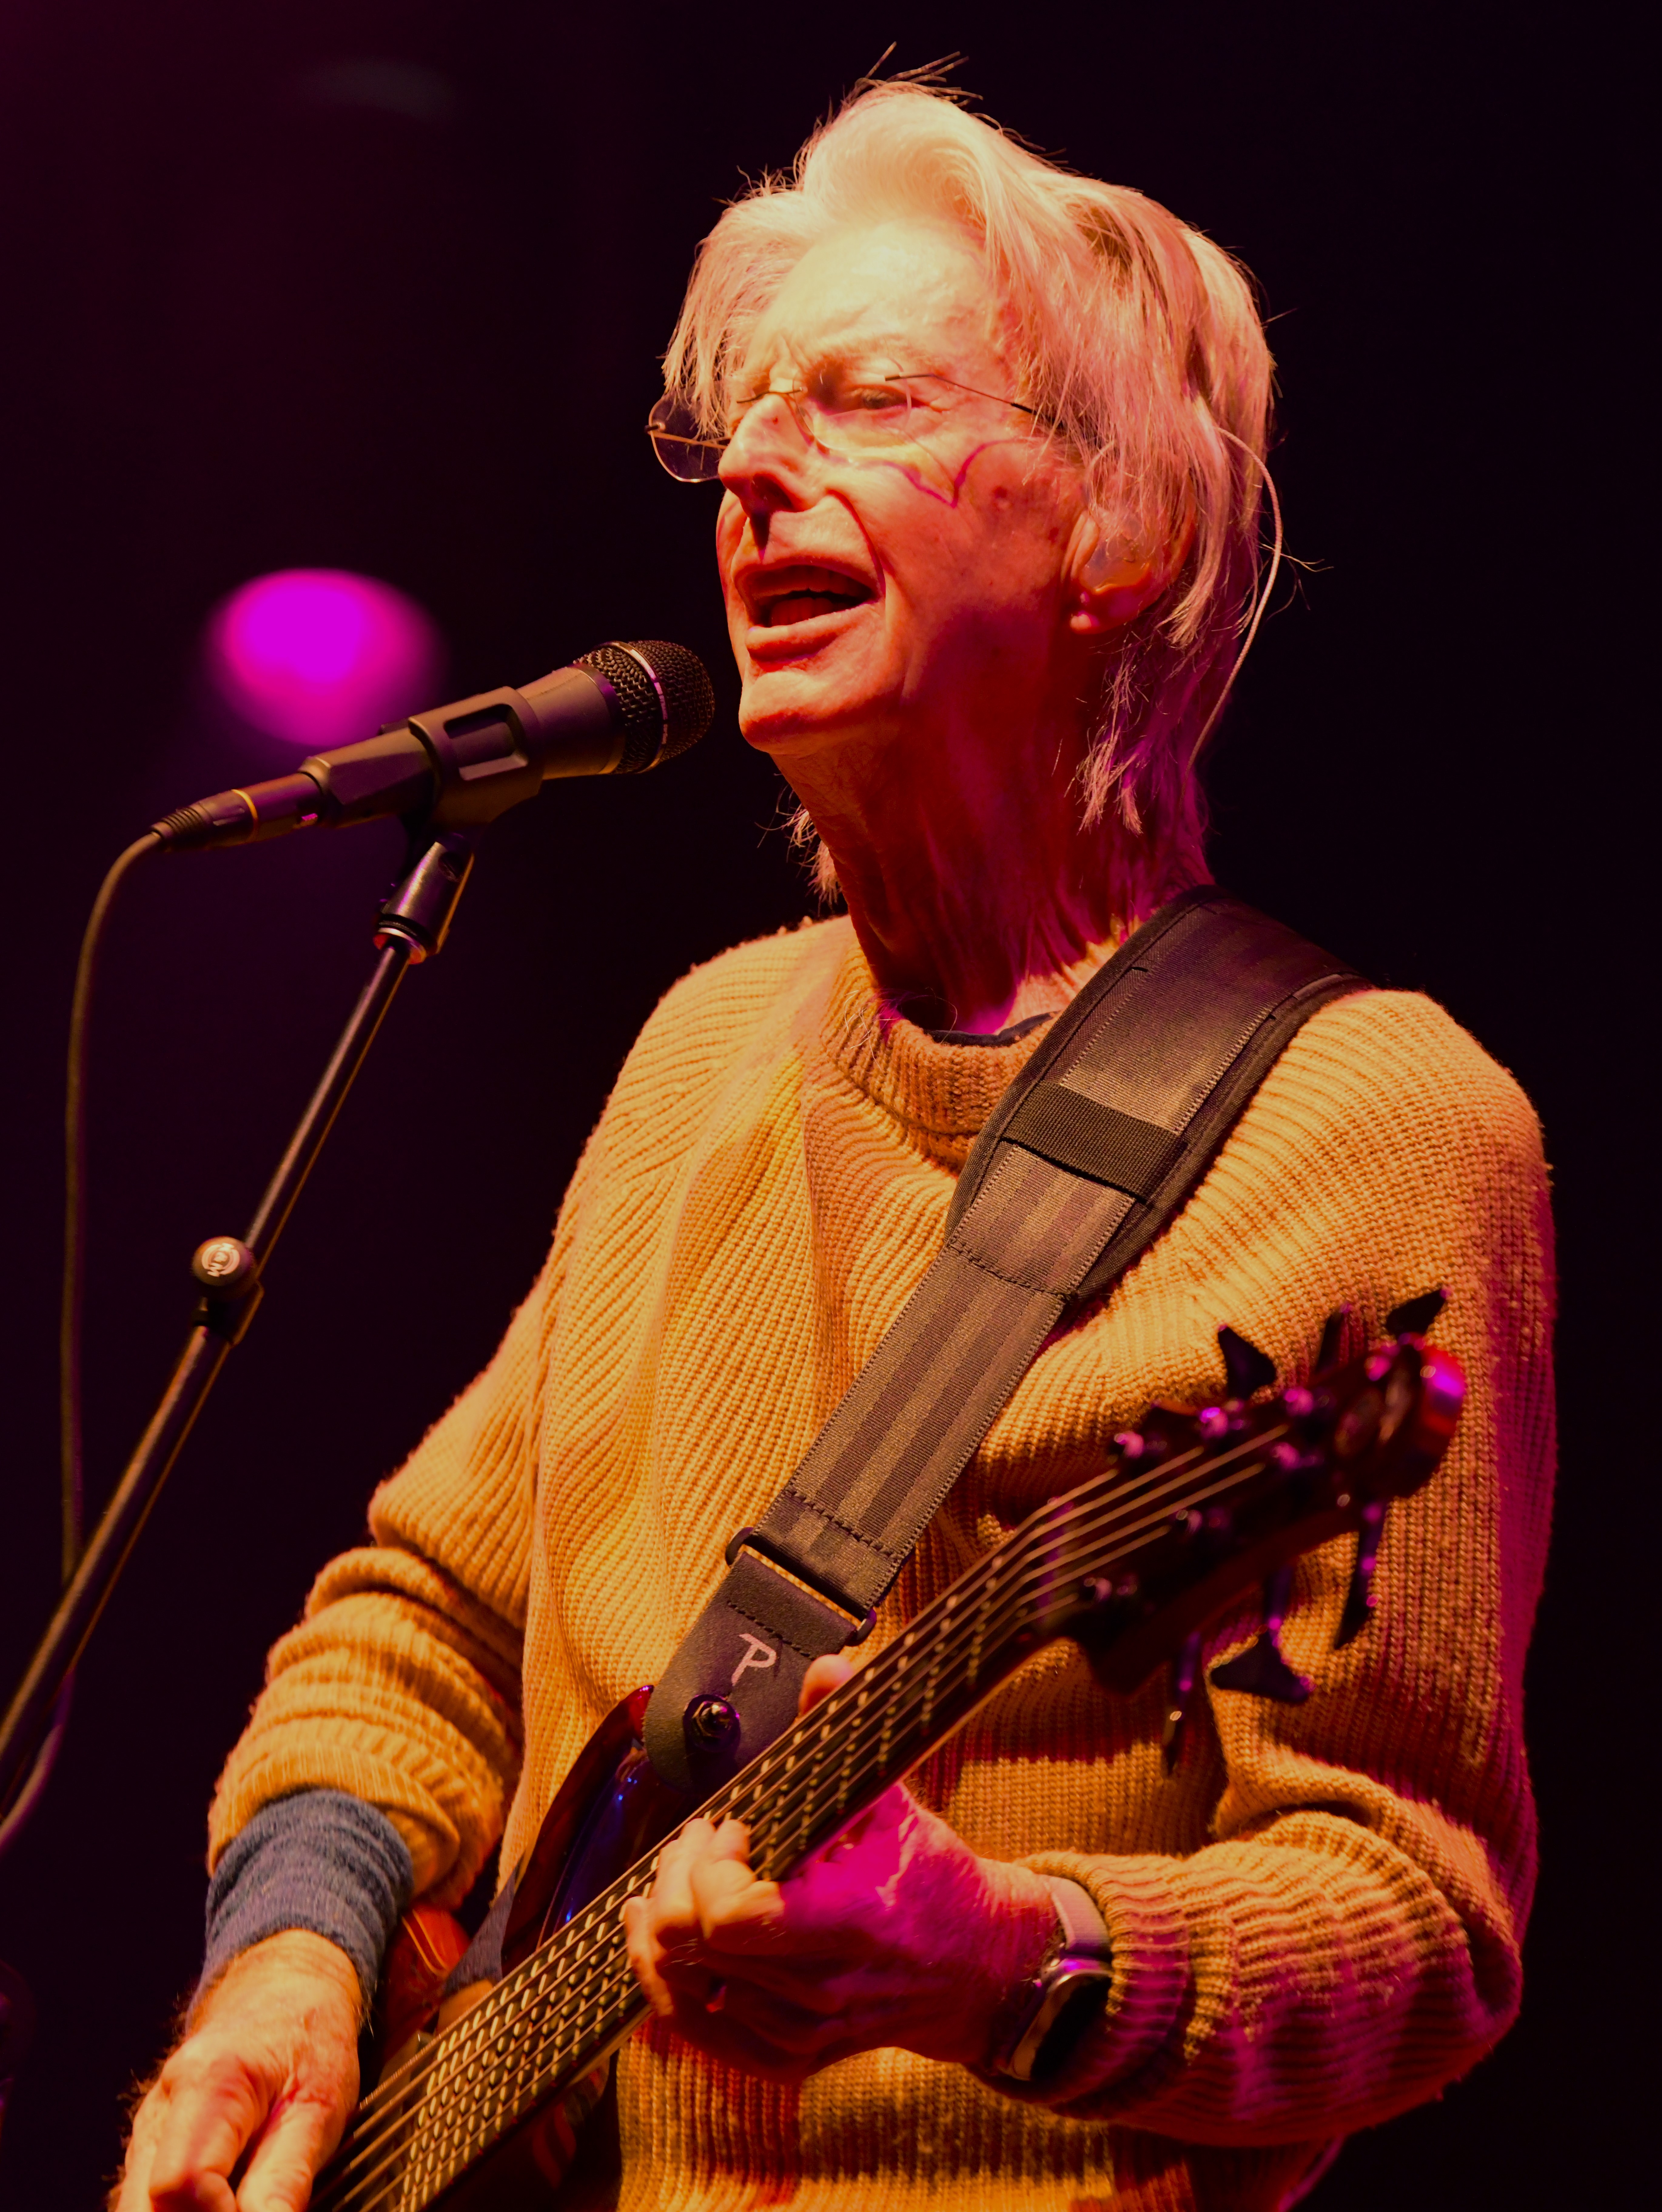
(569, 1956)
(1060, 1543)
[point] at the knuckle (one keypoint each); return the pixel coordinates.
(215, 2072)
(285, 2189)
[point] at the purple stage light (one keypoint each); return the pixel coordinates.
(321, 657)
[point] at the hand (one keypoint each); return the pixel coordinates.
(895, 1934)
(271, 2065)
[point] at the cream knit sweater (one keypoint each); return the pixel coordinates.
(1317, 1920)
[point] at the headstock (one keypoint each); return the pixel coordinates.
(1209, 1500)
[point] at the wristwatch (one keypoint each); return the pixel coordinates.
(1079, 1961)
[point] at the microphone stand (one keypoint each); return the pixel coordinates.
(411, 928)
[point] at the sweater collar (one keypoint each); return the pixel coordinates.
(939, 1093)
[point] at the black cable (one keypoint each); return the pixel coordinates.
(75, 1186)
(70, 1312)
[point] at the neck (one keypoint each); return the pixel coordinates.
(978, 896)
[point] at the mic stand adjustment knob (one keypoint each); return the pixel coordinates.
(229, 1275)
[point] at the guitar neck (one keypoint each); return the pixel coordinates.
(558, 2013)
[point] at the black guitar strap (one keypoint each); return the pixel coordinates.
(1093, 1149)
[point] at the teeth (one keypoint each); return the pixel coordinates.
(808, 592)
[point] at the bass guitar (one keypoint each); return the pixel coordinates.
(1195, 1507)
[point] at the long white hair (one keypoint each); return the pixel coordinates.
(1139, 341)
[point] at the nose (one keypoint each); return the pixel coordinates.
(768, 461)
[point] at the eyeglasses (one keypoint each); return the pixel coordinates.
(845, 412)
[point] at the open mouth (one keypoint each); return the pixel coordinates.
(802, 592)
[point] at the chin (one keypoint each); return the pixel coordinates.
(784, 706)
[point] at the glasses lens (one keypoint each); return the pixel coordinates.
(680, 444)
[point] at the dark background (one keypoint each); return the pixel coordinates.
(264, 310)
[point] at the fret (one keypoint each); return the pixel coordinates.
(881, 1726)
(978, 1639)
(851, 1746)
(583, 2026)
(804, 1826)
(901, 1653)
(810, 1788)
(522, 2047)
(932, 1677)
(747, 1798)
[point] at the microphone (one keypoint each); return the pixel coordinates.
(619, 710)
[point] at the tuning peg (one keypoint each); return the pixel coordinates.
(1261, 1670)
(1185, 1669)
(1247, 1368)
(1332, 1338)
(1414, 1315)
(1359, 1598)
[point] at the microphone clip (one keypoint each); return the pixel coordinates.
(421, 905)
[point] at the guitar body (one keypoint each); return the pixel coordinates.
(610, 1809)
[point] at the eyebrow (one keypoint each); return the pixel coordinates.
(839, 356)
(895, 342)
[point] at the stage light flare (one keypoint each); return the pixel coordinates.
(319, 657)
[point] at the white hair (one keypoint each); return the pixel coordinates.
(1137, 338)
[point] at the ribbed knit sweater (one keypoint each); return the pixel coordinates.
(1317, 1919)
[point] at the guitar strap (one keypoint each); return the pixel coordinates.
(1097, 1146)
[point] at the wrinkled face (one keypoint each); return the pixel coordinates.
(893, 547)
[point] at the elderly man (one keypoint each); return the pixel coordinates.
(989, 439)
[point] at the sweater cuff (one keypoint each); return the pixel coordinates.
(320, 1860)
(1113, 2064)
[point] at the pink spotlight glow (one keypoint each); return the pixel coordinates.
(322, 657)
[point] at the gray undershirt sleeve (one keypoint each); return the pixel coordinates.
(320, 1860)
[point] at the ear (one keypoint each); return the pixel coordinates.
(1111, 579)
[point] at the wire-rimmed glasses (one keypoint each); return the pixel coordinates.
(847, 413)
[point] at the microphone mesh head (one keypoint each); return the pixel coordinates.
(665, 695)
